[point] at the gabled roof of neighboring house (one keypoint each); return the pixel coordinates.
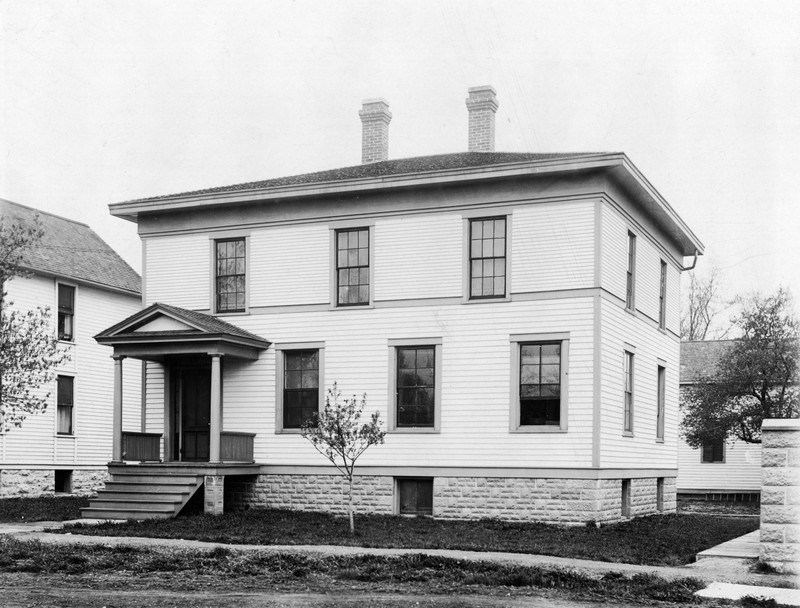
(699, 359)
(72, 250)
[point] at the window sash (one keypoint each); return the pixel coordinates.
(661, 402)
(662, 297)
(300, 387)
(415, 386)
(415, 496)
(66, 312)
(230, 275)
(714, 451)
(65, 401)
(540, 383)
(352, 267)
(628, 380)
(630, 285)
(488, 242)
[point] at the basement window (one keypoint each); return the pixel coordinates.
(626, 498)
(416, 496)
(63, 482)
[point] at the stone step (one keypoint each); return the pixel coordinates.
(149, 496)
(154, 478)
(167, 506)
(149, 486)
(98, 513)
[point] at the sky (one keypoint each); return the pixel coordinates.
(106, 101)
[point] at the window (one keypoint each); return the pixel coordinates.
(714, 451)
(63, 482)
(660, 402)
(628, 380)
(415, 496)
(659, 494)
(65, 392)
(662, 297)
(66, 312)
(416, 386)
(631, 277)
(352, 267)
(487, 258)
(300, 387)
(626, 498)
(539, 385)
(230, 272)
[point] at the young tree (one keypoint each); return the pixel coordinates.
(756, 378)
(702, 304)
(338, 434)
(28, 345)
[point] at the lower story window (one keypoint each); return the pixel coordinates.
(539, 364)
(65, 391)
(300, 387)
(416, 496)
(714, 451)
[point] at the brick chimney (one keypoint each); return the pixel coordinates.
(375, 118)
(482, 105)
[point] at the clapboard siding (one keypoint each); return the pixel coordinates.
(418, 257)
(622, 330)
(289, 265)
(613, 251)
(648, 277)
(673, 299)
(476, 375)
(553, 246)
(741, 470)
(177, 271)
(36, 442)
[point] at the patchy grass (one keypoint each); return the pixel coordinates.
(657, 540)
(300, 572)
(43, 508)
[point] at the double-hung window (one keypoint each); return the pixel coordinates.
(630, 283)
(539, 393)
(487, 258)
(662, 297)
(230, 257)
(628, 392)
(65, 402)
(416, 372)
(66, 312)
(661, 401)
(714, 451)
(352, 267)
(300, 387)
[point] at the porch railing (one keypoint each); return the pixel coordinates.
(236, 447)
(141, 446)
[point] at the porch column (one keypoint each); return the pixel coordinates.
(116, 418)
(216, 409)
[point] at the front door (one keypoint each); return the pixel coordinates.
(194, 399)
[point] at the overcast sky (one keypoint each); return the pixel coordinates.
(104, 101)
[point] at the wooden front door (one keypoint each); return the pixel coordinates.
(194, 398)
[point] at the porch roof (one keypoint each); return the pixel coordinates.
(161, 330)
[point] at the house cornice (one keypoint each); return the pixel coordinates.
(80, 281)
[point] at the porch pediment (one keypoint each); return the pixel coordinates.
(162, 330)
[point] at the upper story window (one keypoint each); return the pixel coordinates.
(714, 451)
(352, 267)
(66, 312)
(660, 402)
(230, 275)
(628, 385)
(65, 395)
(300, 387)
(630, 288)
(662, 297)
(487, 258)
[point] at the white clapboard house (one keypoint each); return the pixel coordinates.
(86, 286)
(725, 470)
(513, 317)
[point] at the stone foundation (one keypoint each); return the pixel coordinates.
(565, 501)
(41, 482)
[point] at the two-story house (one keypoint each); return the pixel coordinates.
(513, 317)
(86, 285)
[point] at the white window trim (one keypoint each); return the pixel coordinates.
(478, 214)
(630, 259)
(393, 344)
(334, 276)
(663, 276)
(625, 353)
(213, 239)
(661, 399)
(516, 341)
(74, 421)
(74, 312)
(279, 369)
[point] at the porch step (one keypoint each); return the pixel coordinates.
(142, 492)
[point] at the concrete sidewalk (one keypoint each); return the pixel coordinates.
(711, 568)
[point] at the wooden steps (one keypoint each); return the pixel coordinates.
(143, 492)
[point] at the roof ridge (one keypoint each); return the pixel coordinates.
(43, 212)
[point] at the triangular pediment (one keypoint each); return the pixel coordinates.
(163, 323)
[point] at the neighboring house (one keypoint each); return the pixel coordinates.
(513, 317)
(723, 469)
(86, 286)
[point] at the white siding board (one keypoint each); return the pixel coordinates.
(178, 271)
(553, 246)
(741, 470)
(614, 251)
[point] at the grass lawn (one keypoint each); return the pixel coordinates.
(656, 540)
(46, 508)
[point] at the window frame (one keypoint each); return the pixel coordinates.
(280, 368)
(60, 406)
(661, 401)
(517, 341)
(630, 274)
(723, 453)
(74, 288)
(394, 345)
(214, 304)
(662, 297)
(398, 481)
(628, 390)
(469, 258)
(336, 231)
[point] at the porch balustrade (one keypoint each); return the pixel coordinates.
(236, 447)
(142, 447)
